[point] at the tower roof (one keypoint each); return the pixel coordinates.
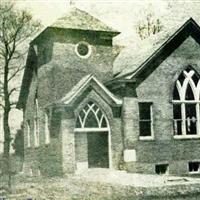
(81, 20)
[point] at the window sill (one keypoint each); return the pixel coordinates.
(194, 172)
(186, 137)
(146, 138)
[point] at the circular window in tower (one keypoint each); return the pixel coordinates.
(83, 49)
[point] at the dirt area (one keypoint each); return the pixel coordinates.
(105, 184)
(133, 179)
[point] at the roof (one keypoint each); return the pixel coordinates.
(79, 19)
(76, 19)
(82, 85)
(134, 60)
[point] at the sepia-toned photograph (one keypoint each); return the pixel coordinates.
(99, 99)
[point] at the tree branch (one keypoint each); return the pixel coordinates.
(15, 73)
(1, 105)
(11, 91)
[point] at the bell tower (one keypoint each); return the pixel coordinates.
(75, 45)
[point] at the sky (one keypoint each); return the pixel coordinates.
(122, 15)
(48, 10)
(45, 10)
(119, 14)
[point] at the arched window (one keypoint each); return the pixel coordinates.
(91, 118)
(28, 134)
(46, 129)
(186, 99)
(36, 121)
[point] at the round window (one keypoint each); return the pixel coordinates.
(83, 49)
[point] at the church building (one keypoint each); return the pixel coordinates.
(80, 113)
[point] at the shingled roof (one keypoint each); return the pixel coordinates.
(79, 19)
(132, 62)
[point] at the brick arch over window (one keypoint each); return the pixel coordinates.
(91, 118)
(186, 99)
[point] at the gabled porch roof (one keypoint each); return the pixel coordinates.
(88, 81)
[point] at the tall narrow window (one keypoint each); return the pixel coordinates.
(186, 98)
(28, 134)
(36, 124)
(47, 133)
(36, 135)
(145, 123)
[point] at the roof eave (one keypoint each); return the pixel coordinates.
(119, 80)
(116, 100)
(108, 33)
(135, 73)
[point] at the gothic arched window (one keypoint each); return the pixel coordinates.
(91, 118)
(46, 128)
(186, 99)
(36, 121)
(28, 133)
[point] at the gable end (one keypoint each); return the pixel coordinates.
(190, 28)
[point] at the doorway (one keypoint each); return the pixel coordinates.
(92, 138)
(98, 150)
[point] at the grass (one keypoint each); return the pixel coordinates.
(72, 188)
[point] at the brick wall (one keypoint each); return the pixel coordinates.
(158, 88)
(63, 68)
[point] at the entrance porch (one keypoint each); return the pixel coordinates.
(92, 138)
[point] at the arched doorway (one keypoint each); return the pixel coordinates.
(92, 137)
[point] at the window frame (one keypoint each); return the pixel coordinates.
(148, 137)
(182, 89)
(87, 109)
(36, 133)
(157, 168)
(46, 128)
(193, 172)
(92, 106)
(36, 122)
(88, 46)
(28, 133)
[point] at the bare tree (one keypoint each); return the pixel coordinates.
(15, 27)
(149, 24)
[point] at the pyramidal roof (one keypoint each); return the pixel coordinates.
(79, 19)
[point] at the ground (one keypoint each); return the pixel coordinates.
(105, 184)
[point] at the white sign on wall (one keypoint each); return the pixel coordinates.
(129, 155)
